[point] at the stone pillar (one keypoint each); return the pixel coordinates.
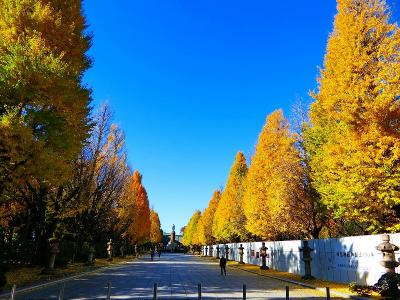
(227, 252)
(206, 251)
(122, 250)
(263, 254)
(91, 254)
(211, 251)
(109, 250)
(307, 260)
(54, 243)
(241, 252)
(218, 250)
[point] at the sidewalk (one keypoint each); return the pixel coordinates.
(60, 279)
(336, 289)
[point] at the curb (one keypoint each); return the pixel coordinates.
(333, 292)
(7, 294)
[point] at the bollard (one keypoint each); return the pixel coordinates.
(199, 291)
(108, 290)
(287, 293)
(155, 292)
(13, 291)
(244, 292)
(61, 294)
(328, 293)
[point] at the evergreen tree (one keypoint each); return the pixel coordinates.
(229, 220)
(354, 141)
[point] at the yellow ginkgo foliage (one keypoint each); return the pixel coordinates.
(273, 182)
(190, 236)
(155, 227)
(204, 227)
(354, 140)
(229, 220)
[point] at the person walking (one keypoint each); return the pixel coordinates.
(152, 254)
(222, 264)
(159, 253)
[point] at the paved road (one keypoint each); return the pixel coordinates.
(177, 277)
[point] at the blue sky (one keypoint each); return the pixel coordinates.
(191, 83)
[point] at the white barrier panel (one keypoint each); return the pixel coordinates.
(347, 259)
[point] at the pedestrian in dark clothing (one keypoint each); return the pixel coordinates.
(152, 254)
(159, 253)
(222, 264)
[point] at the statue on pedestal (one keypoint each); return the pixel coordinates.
(172, 244)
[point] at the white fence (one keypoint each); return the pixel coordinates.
(348, 259)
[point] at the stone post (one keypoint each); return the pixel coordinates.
(241, 252)
(211, 251)
(91, 254)
(389, 260)
(54, 243)
(227, 252)
(109, 250)
(206, 251)
(218, 250)
(263, 254)
(122, 250)
(307, 260)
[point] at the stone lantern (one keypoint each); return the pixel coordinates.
(389, 260)
(226, 252)
(263, 254)
(307, 260)
(53, 243)
(241, 252)
(388, 284)
(110, 250)
(91, 254)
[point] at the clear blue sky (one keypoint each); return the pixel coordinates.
(191, 83)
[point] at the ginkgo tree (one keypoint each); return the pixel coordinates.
(44, 114)
(155, 228)
(190, 235)
(205, 225)
(229, 220)
(273, 183)
(138, 229)
(354, 139)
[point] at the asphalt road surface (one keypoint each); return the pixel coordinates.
(177, 277)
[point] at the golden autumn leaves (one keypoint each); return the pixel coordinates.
(340, 173)
(259, 200)
(63, 170)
